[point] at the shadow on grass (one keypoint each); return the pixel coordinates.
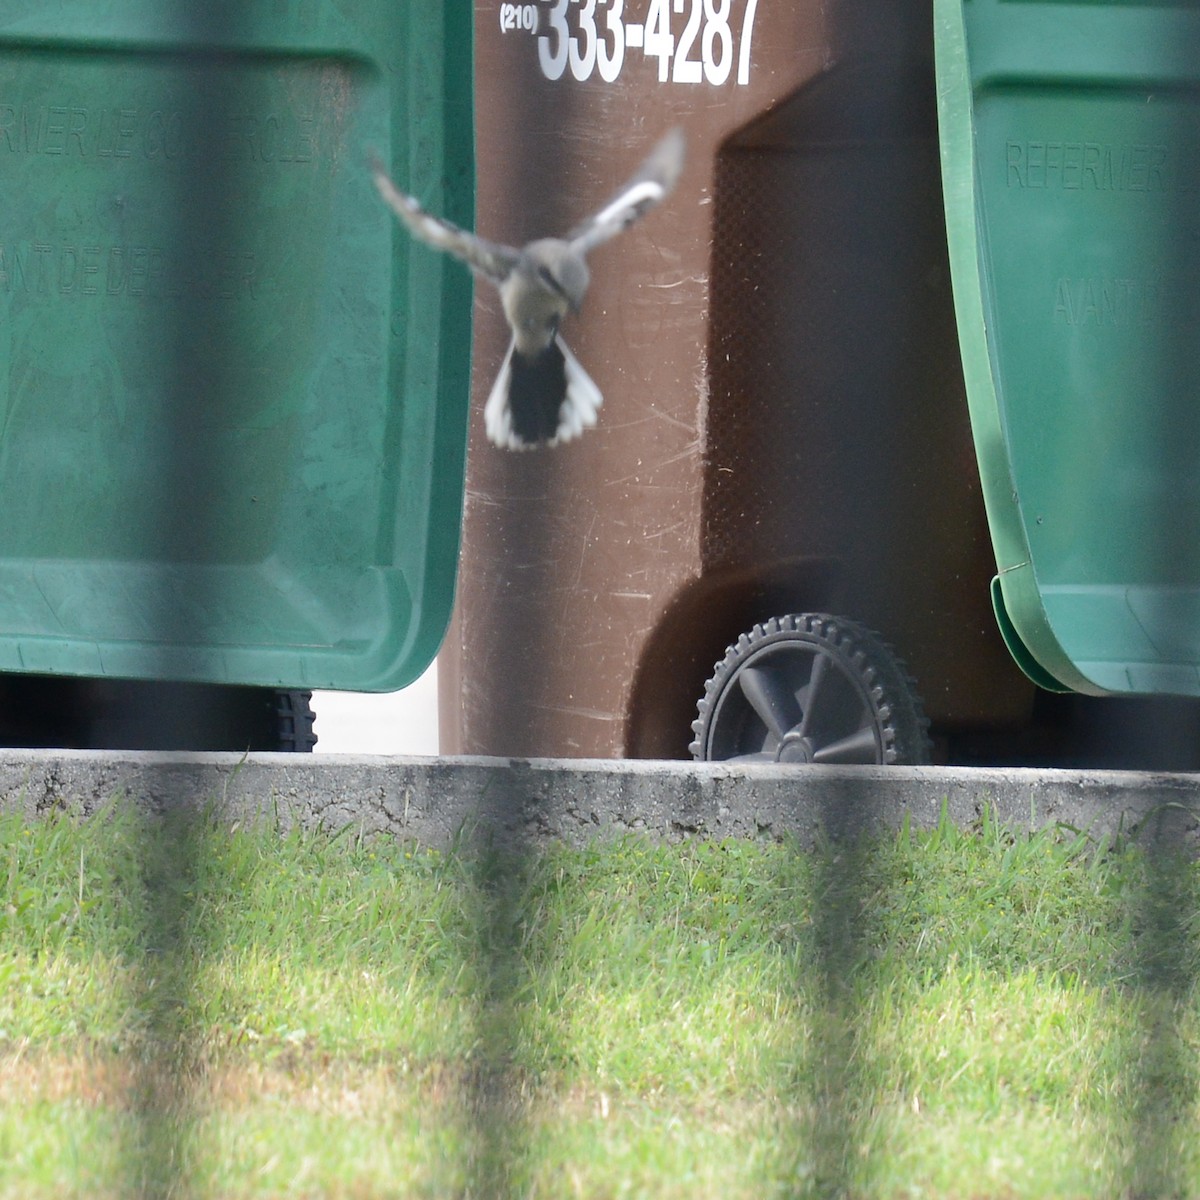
(498, 1087)
(832, 1153)
(167, 1071)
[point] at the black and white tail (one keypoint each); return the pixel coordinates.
(540, 401)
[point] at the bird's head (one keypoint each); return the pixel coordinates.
(560, 269)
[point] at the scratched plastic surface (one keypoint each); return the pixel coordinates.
(232, 402)
(1071, 164)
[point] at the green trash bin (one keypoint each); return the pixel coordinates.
(1070, 138)
(233, 394)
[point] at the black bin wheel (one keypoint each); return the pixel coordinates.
(293, 724)
(810, 688)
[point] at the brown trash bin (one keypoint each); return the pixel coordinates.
(784, 427)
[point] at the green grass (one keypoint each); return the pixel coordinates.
(188, 1010)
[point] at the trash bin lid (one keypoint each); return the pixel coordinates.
(1071, 166)
(233, 394)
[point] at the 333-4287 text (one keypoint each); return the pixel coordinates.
(693, 41)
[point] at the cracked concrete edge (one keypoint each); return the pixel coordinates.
(436, 801)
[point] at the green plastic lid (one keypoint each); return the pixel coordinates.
(1071, 167)
(232, 395)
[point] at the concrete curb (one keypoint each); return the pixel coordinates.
(432, 801)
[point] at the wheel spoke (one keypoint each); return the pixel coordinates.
(819, 669)
(770, 695)
(760, 756)
(857, 747)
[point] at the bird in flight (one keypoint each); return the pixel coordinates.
(542, 395)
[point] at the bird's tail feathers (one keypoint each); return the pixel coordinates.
(497, 412)
(540, 403)
(581, 405)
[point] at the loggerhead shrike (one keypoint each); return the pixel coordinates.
(542, 395)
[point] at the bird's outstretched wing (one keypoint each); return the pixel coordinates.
(490, 259)
(652, 181)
